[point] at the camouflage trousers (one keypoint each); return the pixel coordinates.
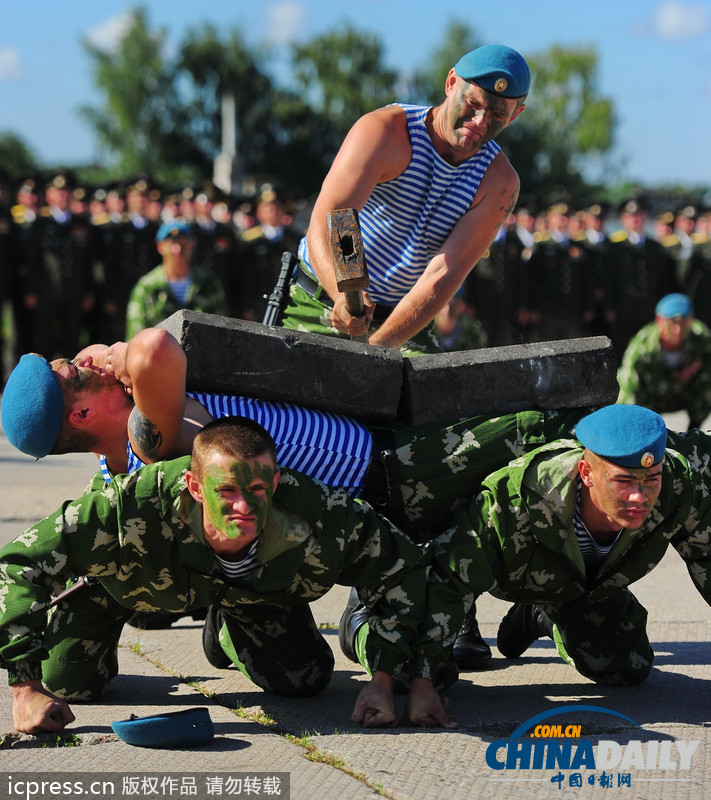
(306, 313)
(278, 649)
(605, 640)
(439, 467)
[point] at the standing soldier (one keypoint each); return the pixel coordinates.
(23, 297)
(640, 273)
(60, 270)
(131, 256)
(596, 244)
(561, 283)
(260, 257)
(698, 286)
(216, 243)
(7, 254)
(680, 244)
(493, 289)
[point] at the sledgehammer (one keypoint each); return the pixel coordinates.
(349, 260)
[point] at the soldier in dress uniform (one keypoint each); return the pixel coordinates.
(679, 243)
(698, 285)
(262, 247)
(561, 284)
(640, 272)
(596, 244)
(7, 253)
(216, 244)
(23, 297)
(60, 269)
(131, 255)
(493, 287)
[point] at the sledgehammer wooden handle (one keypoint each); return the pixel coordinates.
(349, 263)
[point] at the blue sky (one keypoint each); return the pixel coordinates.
(654, 61)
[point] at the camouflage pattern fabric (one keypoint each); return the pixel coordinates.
(140, 539)
(645, 379)
(516, 540)
(151, 300)
(306, 313)
(442, 465)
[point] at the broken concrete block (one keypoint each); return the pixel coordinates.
(233, 356)
(378, 385)
(570, 373)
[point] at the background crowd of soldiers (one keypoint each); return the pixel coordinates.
(70, 255)
(568, 271)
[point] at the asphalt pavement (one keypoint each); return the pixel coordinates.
(634, 742)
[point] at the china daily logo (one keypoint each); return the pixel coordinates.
(548, 742)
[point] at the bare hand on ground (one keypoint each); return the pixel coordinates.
(35, 710)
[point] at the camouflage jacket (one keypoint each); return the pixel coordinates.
(141, 537)
(151, 300)
(517, 538)
(645, 379)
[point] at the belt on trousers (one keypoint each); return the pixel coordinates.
(314, 289)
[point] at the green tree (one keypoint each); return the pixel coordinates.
(209, 67)
(16, 156)
(139, 124)
(342, 76)
(567, 126)
(426, 86)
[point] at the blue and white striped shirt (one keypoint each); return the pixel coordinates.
(329, 447)
(406, 221)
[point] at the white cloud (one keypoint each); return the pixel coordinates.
(10, 67)
(285, 21)
(680, 21)
(108, 35)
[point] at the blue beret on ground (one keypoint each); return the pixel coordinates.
(674, 305)
(176, 227)
(496, 68)
(627, 435)
(186, 728)
(32, 406)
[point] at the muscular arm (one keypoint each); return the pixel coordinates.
(153, 366)
(377, 150)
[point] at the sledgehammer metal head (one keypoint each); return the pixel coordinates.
(348, 257)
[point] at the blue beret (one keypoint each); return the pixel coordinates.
(627, 435)
(674, 305)
(32, 406)
(496, 68)
(185, 728)
(177, 227)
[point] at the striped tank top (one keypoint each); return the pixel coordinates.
(329, 447)
(406, 221)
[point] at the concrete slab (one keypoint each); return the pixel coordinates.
(233, 356)
(495, 380)
(375, 384)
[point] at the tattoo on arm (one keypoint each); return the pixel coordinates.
(144, 434)
(507, 209)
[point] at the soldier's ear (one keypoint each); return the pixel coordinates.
(585, 472)
(194, 487)
(80, 415)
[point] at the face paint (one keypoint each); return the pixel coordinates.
(237, 495)
(476, 116)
